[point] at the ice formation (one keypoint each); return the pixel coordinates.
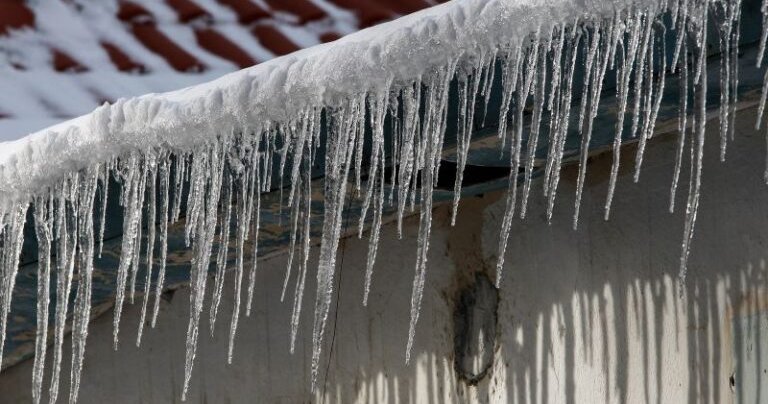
(207, 153)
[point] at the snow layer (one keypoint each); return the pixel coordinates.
(277, 90)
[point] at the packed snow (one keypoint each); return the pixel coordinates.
(226, 141)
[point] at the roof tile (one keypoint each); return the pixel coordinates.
(130, 11)
(329, 37)
(369, 12)
(157, 42)
(122, 61)
(247, 11)
(404, 6)
(14, 14)
(302, 9)
(62, 62)
(187, 10)
(220, 45)
(274, 40)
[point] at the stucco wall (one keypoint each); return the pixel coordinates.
(583, 316)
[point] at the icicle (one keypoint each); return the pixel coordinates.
(302, 276)
(243, 223)
(378, 104)
(339, 152)
(594, 54)
(359, 149)
(764, 36)
(136, 260)
(256, 162)
(692, 206)
(652, 104)
(67, 222)
(564, 119)
(510, 69)
(165, 168)
(294, 222)
(434, 128)
(650, 125)
(527, 79)
(729, 18)
(397, 136)
(490, 75)
(376, 174)
(11, 239)
(641, 73)
(411, 122)
(625, 72)
(466, 126)
(683, 127)
(245, 182)
(132, 210)
(150, 253)
(104, 197)
(539, 99)
(304, 148)
(44, 233)
(734, 58)
(681, 28)
(179, 179)
(213, 163)
(82, 310)
(223, 249)
(196, 197)
(553, 106)
(373, 245)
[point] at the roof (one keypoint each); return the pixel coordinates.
(62, 58)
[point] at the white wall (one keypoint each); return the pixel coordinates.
(588, 316)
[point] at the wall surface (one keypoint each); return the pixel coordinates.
(593, 315)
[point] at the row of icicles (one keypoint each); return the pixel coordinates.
(217, 188)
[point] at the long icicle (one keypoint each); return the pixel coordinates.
(82, 309)
(150, 254)
(202, 246)
(435, 131)
(165, 173)
(338, 161)
(44, 233)
(692, 206)
(66, 218)
(628, 61)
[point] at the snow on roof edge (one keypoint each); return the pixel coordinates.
(276, 91)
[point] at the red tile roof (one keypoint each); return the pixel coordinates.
(303, 9)
(14, 14)
(173, 37)
(369, 12)
(122, 61)
(246, 10)
(274, 40)
(62, 62)
(187, 10)
(129, 11)
(218, 44)
(156, 41)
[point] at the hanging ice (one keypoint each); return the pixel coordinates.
(376, 130)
